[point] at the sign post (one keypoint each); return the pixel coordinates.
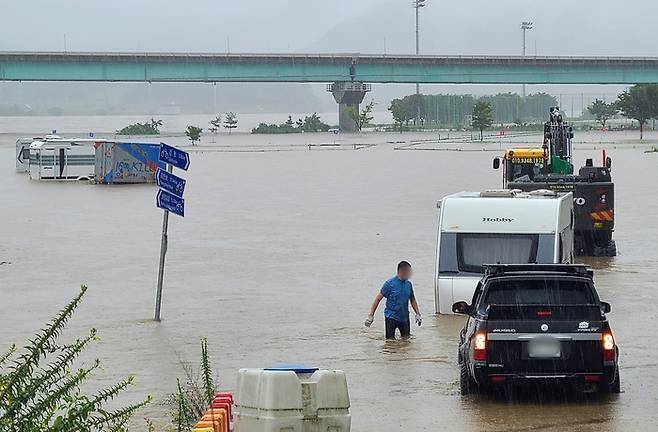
(163, 252)
(170, 199)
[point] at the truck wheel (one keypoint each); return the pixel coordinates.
(611, 249)
(466, 384)
(599, 251)
(614, 387)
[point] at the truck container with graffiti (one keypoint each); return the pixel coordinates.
(120, 162)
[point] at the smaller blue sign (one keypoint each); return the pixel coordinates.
(171, 203)
(175, 157)
(170, 183)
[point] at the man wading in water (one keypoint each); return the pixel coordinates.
(398, 292)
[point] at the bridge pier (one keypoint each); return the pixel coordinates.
(348, 94)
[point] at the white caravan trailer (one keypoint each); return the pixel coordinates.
(23, 151)
(62, 159)
(497, 227)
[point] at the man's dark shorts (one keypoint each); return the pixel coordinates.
(391, 325)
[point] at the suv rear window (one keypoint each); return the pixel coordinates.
(539, 292)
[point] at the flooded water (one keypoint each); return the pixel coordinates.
(278, 259)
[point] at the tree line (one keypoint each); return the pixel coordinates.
(639, 103)
(453, 110)
(310, 123)
(193, 133)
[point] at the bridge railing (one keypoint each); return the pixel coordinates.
(349, 86)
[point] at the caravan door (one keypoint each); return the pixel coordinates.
(52, 162)
(45, 163)
(60, 165)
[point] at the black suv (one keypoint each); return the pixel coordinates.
(537, 322)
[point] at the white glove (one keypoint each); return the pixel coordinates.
(369, 320)
(419, 319)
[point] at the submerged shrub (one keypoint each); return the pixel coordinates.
(193, 398)
(40, 389)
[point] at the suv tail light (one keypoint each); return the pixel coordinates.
(608, 344)
(480, 347)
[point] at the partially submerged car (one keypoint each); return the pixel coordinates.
(537, 322)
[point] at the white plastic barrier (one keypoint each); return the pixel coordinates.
(289, 401)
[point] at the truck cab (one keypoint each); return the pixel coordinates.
(537, 323)
(523, 164)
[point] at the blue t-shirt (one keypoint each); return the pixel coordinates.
(398, 293)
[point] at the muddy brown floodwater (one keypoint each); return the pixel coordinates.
(277, 260)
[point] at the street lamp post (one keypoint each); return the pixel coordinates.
(525, 25)
(417, 4)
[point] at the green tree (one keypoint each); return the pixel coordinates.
(353, 113)
(289, 124)
(155, 124)
(640, 103)
(482, 117)
(151, 127)
(231, 121)
(602, 111)
(400, 112)
(193, 133)
(313, 123)
(215, 124)
(363, 117)
(41, 391)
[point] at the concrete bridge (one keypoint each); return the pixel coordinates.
(350, 74)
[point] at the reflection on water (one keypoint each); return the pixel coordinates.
(277, 261)
(400, 345)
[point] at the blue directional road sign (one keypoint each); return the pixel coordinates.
(175, 157)
(171, 203)
(170, 183)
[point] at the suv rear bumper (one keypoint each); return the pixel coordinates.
(486, 376)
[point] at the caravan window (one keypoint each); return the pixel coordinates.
(474, 250)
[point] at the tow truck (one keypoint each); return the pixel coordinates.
(550, 167)
(531, 323)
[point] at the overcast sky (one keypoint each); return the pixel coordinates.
(468, 27)
(562, 27)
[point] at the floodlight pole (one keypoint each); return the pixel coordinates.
(525, 25)
(417, 4)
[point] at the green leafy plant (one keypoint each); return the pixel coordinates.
(193, 133)
(602, 111)
(193, 398)
(231, 121)
(151, 127)
(363, 117)
(40, 391)
(640, 103)
(215, 124)
(401, 113)
(310, 123)
(482, 117)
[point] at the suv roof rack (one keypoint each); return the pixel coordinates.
(574, 269)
